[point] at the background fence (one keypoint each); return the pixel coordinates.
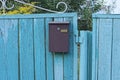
(106, 47)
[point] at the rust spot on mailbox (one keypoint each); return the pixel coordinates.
(58, 36)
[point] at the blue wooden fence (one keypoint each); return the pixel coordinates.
(106, 47)
(24, 50)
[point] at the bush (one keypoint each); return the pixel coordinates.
(20, 9)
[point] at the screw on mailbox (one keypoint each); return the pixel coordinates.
(58, 28)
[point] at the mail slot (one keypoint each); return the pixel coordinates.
(58, 36)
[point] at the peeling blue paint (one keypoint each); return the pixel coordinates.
(4, 29)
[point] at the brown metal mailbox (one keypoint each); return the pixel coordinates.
(58, 36)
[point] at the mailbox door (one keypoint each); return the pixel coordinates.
(58, 37)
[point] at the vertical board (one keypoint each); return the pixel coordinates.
(68, 57)
(58, 66)
(26, 49)
(75, 53)
(39, 46)
(3, 56)
(83, 56)
(58, 60)
(116, 50)
(11, 50)
(94, 49)
(105, 46)
(89, 55)
(49, 55)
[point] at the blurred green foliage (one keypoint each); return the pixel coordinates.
(83, 8)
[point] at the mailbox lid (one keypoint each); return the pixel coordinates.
(58, 36)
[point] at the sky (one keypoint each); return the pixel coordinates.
(116, 10)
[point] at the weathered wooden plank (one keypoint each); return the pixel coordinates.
(75, 53)
(85, 61)
(50, 15)
(68, 57)
(108, 16)
(49, 55)
(116, 50)
(26, 49)
(11, 49)
(3, 56)
(105, 39)
(94, 46)
(89, 55)
(39, 46)
(73, 48)
(83, 56)
(58, 60)
(58, 66)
